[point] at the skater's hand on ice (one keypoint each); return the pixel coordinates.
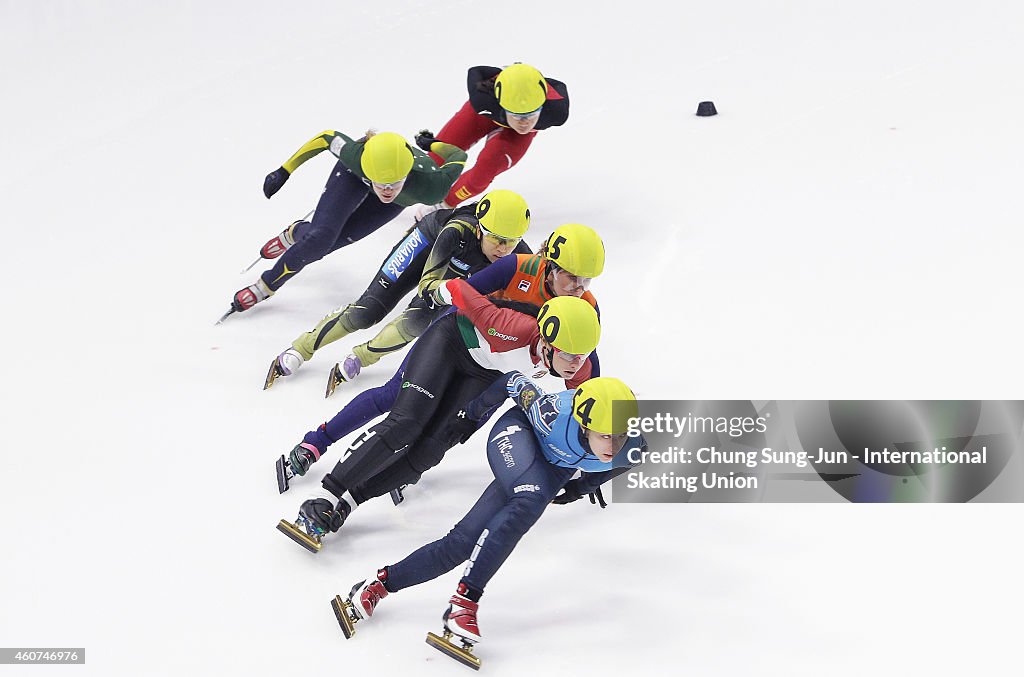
(571, 492)
(274, 181)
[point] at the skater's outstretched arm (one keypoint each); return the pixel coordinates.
(326, 140)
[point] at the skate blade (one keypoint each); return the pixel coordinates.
(272, 374)
(299, 536)
(225, 315)
(460, 654)
(283, 475)
(249, 267)
(348, 626)
(335, 379)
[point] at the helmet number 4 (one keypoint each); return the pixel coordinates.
(583, 408)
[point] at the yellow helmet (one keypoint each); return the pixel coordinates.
(577, 249)
(521, 89)
(503, 213)
(569, 324)
(593, 405)
(387, 158)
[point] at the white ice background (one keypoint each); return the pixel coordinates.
(847, 227)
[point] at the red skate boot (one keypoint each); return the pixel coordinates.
(281, 243)
(459, 621)
(248, 297)
(350, 612)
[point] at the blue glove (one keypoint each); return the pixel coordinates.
(274, 181)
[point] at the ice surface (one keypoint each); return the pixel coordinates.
(846, 227)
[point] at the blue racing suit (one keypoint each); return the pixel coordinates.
(533, 450)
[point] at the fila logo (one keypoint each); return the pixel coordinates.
(524, 285)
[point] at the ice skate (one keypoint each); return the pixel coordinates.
(285, 364)
(246, 298)
(317, 516)
(459, 623)
(297, 463)
(350, 611)
(281, 243)
(343, 372)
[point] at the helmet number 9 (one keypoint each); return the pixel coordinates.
(555, 251)
(548, 325)
(583, 408)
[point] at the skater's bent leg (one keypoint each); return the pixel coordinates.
(426, 450)
(429, 372)
(464, 129)
(445, 554)
(366, 406)
(366, 219)
(398, 333)
(365, 457)
(528, 481)
(501, 152)
(370, 309)
(363, 408)
(406, 468)
(342, 195)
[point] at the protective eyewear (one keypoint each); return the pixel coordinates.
(571, 357)
(499, 240)
(523, 117)
(396, 186)
(576, 281)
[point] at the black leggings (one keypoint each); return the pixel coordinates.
(440, 378)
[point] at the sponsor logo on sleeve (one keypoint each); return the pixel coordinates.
(504, 337)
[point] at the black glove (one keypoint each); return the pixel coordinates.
(571, 492)
(424, 139)
(274, 181)
(462, 427)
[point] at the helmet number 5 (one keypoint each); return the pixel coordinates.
(555, 251)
